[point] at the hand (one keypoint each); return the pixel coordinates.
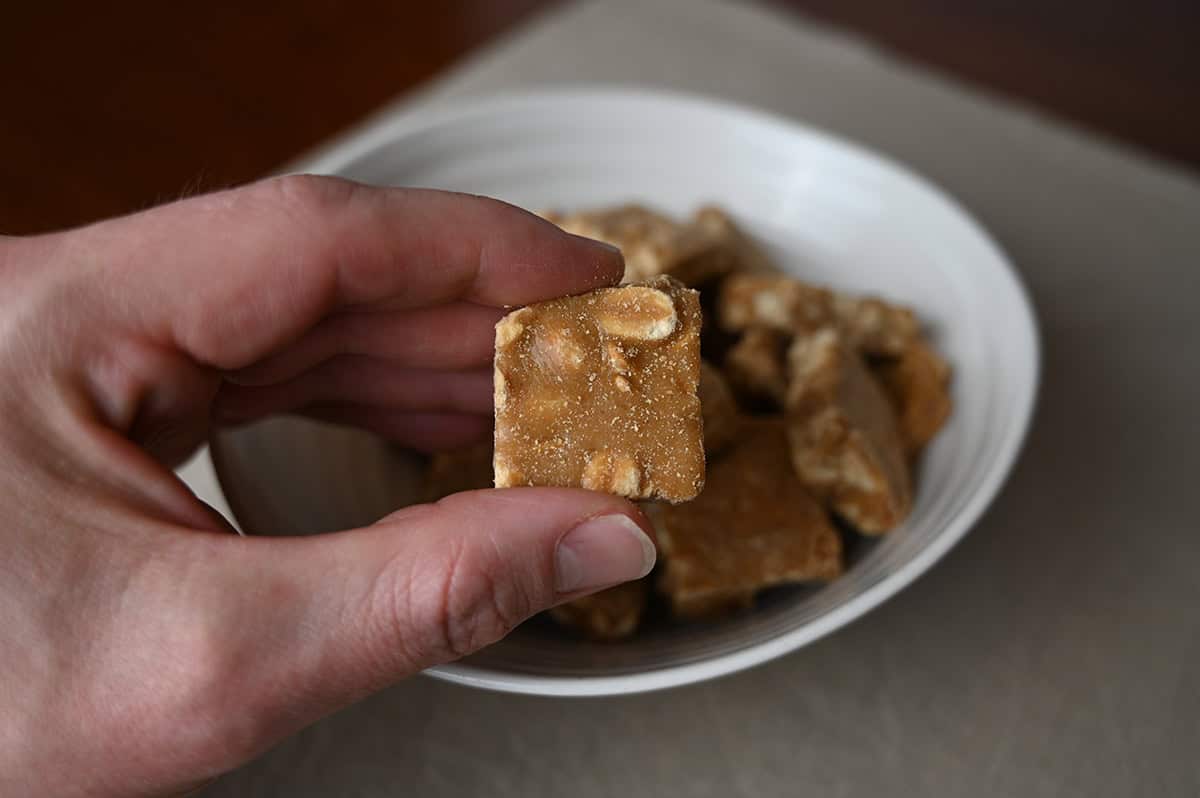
(143, 647)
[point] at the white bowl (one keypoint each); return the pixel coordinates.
(827, 210)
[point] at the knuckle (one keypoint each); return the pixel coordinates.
(306, 195)
(472, 602)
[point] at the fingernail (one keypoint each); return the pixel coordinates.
(595, 242)
(600, 552)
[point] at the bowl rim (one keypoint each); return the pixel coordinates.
(1022, 321)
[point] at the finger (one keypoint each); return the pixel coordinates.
(353, 379)
(457, 335)
(232, 276)
(311, 624)
(425, 432)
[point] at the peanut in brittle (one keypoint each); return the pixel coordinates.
(875, 327)
(755, 365)
(773, 302)
(791, 307)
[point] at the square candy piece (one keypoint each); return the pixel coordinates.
(753, 526)
(599, 391)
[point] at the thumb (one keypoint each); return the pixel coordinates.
(308, 625)
(465, 571)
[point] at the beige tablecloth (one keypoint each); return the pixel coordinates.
(1056, 651)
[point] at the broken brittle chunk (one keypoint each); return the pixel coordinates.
(774, 302)
(753, 526)
(720, 411)
(917, 382)
(608, 615)
(654, 244)
(876, 327)
(622, 226)
(789, 306)
(842, 430)
(600, 391)
(755, 364)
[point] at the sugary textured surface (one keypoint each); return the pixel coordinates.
(918, 385)
(608, 615)
(755, 364)
(653, 244)
(453, 472)
(842, 430)
(600, 391)
(721, 416)
(753, 526)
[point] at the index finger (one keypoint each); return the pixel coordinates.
(229, 277)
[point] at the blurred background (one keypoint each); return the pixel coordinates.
(111, 107)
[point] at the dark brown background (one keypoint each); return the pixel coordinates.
(110, 107)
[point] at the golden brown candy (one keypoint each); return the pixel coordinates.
(845, 444)
(600, 391)
(918, 385)
(653, 244)
(608, 615)
(753, 526)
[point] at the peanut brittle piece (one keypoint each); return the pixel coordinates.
(875, 327)
(786, 305)
(453, 472)
(720, 411)
(755, 364)
(845, 444)
(917, 383)
(608, 615)
(773, 302)
(623, 225)
(600, 391)
(753, 526)
(653, 244)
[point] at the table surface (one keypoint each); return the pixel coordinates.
(1053, 652)
(111, 107)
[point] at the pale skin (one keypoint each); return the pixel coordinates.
(144, 647)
